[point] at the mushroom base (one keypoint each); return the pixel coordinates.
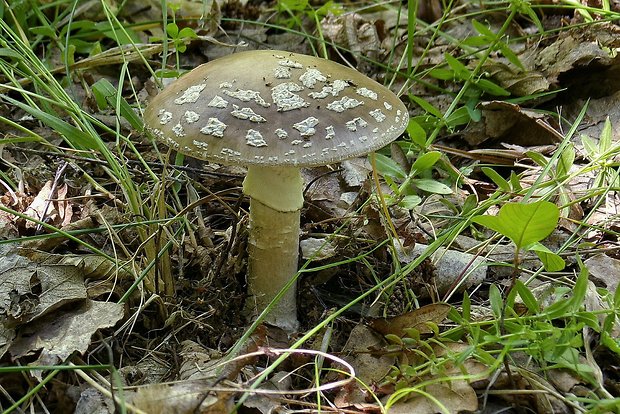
(273, 248)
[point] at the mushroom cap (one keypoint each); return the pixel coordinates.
(270, 107)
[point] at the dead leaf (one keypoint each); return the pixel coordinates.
(370, 368)
(604, 270)
(509, 123)
(50, 207)
(575, 50)
(93, 401)
(182, 398)
(64, 332)
(354, 33)
(455, 395)
(270, 404)
(519, 83)
(317, 249)
(29, 291)
(355, 171)
(416, 319)
(6, 337)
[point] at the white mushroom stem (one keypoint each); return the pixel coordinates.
(276, 199)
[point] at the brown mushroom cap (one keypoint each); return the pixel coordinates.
(269, 107)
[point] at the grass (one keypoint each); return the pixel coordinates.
(545, 319)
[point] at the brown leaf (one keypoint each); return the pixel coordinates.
(507, 122)
(417, 319)
(64, 332)
(456, 396)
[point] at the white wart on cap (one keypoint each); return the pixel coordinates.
(275, 108)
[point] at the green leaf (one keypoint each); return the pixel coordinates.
(510, 55)
(469, 204)
(425, 162)
(387, 166)
(611, 342)
(431, 186)
(78, 138)
(590, 319)
(491, 88)
(495, 299)
(523, 223)
(537, 158)
(476, 41)
(442, 74)
(565, 162)
(172, 30)
(416, 133)
(474, 113)
(604, 142)
(459, 69)
(46, 31)
(466, 306)
(496, 178)
(4, 52)
(515, 182)
(551, 261)
(106, 95)
(410, 202)
(460, 116)
(571, 305)
(187, 33)
(427, 106)
(590, 146)
(483, 29)
(527, 297)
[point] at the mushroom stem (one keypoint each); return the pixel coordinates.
(273, 244)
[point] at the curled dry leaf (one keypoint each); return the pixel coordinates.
(50, 206)
(353, 32)
(507, 122)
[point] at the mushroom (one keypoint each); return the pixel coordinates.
(274, 112)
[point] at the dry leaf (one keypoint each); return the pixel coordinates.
(416, 319)
(64, 332)
(456, 396)
(29, 291)
(369, 367)
(509, 123)
(50, 207)
(187, 397)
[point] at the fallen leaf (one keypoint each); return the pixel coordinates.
(456, 396)
(186, 397)
(605, 270)
(416, 319)
(510, 123)
(64, 332)
(48, 206)
(317, 249)
(29, 291)
(370, 368)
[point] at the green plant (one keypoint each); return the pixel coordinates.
(526, 225)
(408, 179)
(177, 38)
